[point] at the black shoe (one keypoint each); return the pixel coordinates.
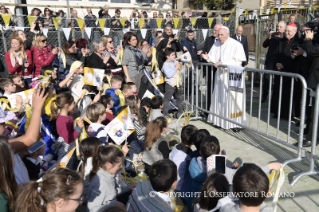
(307, 144)
(298, 124)
(236, 130)
(217, 127)
(306, 130)
(223, 152)
(238, 162)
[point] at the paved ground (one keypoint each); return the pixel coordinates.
(260, 150)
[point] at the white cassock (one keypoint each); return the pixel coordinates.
(228, 98)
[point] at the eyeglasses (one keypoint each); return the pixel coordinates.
(110, 41)
(80, 200)
(145, 44)
(43, 41)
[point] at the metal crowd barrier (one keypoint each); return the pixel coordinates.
(198, 98)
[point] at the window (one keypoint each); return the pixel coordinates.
(120, 1)
(145, 1)
(99, 0)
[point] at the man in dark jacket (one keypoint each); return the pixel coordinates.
(271, 43)
(116, 27)
(104, 14)
(168, 34)
(90, 19)
(209, 42)
(243, 40)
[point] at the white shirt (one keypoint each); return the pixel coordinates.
(20, 171)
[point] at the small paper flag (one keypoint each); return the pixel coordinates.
(80, 23)
(64, 161)
(141, 22)
(88, 31)
(159, 22)
(102, 23)
(45, 31)
(56, 22)
(204, 33)
(66, 32)
(143, 32)
(106, 31)
(285, 5)
(210, 21)
(6, 18)
(246, 12)
(31, 19)
(176, 21)
(272, 10)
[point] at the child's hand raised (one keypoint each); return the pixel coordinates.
(80, 123)
(38, 99)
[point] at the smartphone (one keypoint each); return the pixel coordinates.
(220, 163)
(36, 146)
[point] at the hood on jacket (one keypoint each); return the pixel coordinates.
(197, 169)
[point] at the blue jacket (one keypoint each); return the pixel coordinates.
(116, 99)
(193, 52)
(198, 173)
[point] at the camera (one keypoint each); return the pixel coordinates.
(172, 36)
(313, 25)
(294, 47)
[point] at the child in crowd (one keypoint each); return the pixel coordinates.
(88, 147)
(156, 147)
(215, 183)
(33, 161)
(126, 89)
(145, 109)
(134, 103)
(154, 194)
(108, 103)
(104, 187)
(249, 179)
(107, 80)
(18, 82)
(96, 114)
(77, 81)
(7, 86)
(60, 189)
(115, 92)
(173, 79)
(180, 153)
(133, 88)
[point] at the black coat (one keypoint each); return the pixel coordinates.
(270, 56)
(313, 73)
(174, 45)
(94, 61)
(209, 42)
(244, 42)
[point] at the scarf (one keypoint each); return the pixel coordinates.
(137, 53)
(16, 57)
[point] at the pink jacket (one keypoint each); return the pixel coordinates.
(41, 57)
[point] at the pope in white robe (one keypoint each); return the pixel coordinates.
(228, 98)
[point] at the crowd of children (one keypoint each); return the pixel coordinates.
(39, 127)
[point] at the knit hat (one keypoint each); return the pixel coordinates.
(75, 65)
(292, 24)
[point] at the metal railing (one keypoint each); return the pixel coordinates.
(199, 98)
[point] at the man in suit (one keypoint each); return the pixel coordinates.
(209, 42)
(292, 19)
(243, 40)
(271, 43)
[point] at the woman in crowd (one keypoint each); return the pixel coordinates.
(47, 19)
(83, 49)
(43, 55)
(60, 190)
(96, 59)
(71, 54)
(167, 21)
(19, 60)
(115, 54)
(145, 47)
(133, 60)
(161, 58)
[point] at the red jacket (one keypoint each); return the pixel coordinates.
(41, 57)
(17, 69)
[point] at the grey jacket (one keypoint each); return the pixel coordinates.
(130, 61)
(103, 190)
(155, 113)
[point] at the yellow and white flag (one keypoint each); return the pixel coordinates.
(93, 76)
(121, 127)
(65, 160)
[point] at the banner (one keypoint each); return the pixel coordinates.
(143, 32)
(80, 23)
(240, 11)
(102, 23)
(106, 31)
(204, 33)
(141, 21)
(88, 31)
(19, 28)
(285, 5)
(159, 22)
(254, 13)
(272, 10)
(65, 160)
(120, 127)
(193, 21)
(6, 18)
(210, 21)
(45, 31)
(176, 21)
(56, 22)
(31, 19)
(66, 32)
(23, 94)
(93, 77)
(122, 21)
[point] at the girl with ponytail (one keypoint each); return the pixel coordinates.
(104, 185)
(60, 190)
